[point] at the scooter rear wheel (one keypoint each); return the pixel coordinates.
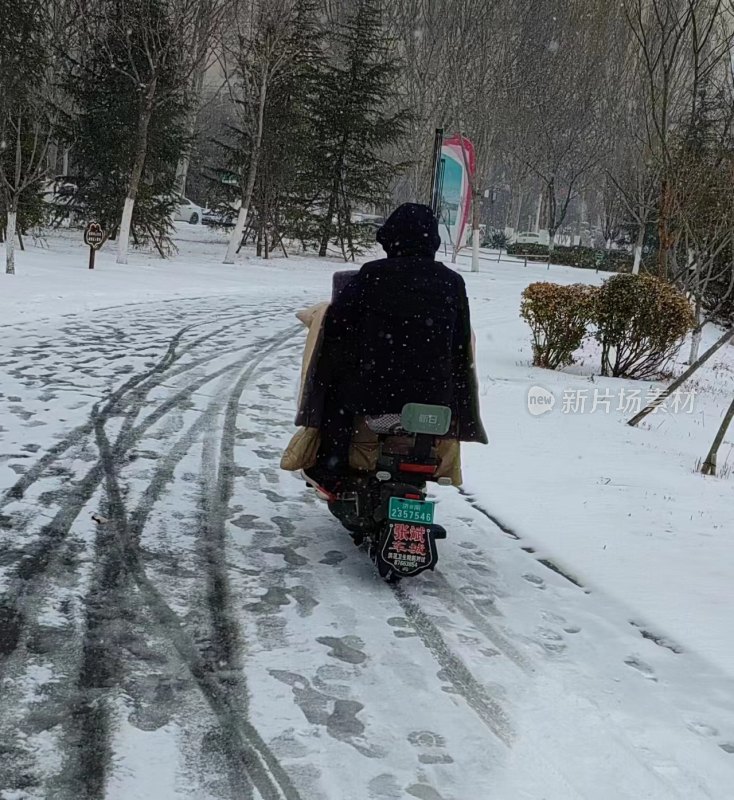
(385, 571)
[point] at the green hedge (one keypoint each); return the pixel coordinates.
(583, 257)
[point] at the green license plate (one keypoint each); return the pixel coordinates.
(404, 510)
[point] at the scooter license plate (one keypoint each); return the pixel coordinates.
(401, 509)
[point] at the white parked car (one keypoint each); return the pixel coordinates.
(527, 237)
(186, 211)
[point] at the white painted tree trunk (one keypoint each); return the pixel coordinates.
(609, 244)
(236, 237)
(475, 250)
(10, 243)
(475, 234)
(123, 237)
(551, 245)
(638, 247)
(695, 346)
(697, 333)
(141, 152)
(638, 260)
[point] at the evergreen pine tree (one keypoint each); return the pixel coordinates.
(108, 108)
(354, 126)
(27, 117)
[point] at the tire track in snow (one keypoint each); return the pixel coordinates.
(250, 755)
(155, 377)
(24, 594)
(482, 624)
(489, 711)
(546, 562)
(38, 555)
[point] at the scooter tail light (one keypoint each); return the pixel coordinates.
(422, 469)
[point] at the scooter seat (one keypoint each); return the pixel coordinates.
(386, 425)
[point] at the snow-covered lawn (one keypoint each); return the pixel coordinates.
(574, 642)
(622, 509)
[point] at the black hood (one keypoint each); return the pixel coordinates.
(411, 230)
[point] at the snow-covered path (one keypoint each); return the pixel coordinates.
(216, 635)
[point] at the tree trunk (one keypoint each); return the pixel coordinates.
(519, 212)
(697, 331)
(197, 84)
(728, 335)
(475, 207)
(333, 197)
(326, 232)
(709, 465)
(239, 228)
(582, 218)
(10, 242)
(638, 249)
(664, 229)
(141, 151)
(537, 213)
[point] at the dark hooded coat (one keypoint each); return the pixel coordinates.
(399, 332)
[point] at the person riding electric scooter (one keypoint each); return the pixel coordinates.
(398, 333)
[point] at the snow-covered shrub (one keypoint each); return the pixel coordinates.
(497, 240)
(641, 321)
(558, 317)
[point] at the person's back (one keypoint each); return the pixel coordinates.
(401, 344)
(399, 333)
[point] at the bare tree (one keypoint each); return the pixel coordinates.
(556, 128)
(254, 55)
(675, 49)
(204, 29)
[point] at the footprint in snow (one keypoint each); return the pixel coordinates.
(550, 641)
(404, 628)
(557, 619)
(385, 787)
(702, 729)
(345, 648)
(536, 580)
(431, 744)
(549, 616)
(332, 558)
(424, 792)
(644, 669)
